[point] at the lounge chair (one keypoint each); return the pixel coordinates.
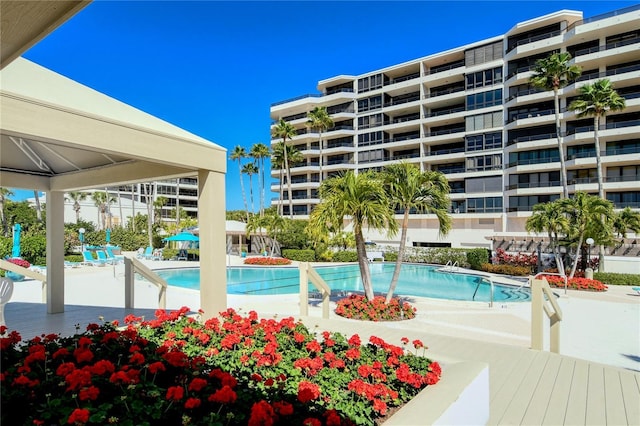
(89, 260)
(148, 253)
(157, 255)
(115, 258)
(6, 291)
(102, 257)
(183, 254)
(636, 289)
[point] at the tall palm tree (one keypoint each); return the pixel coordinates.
(284, 131)
(550, 218)
(99, 199)
(4, 194)
(362, 198)
(260, 152)
(320, 120)
(238, 154)
(553, 73)
(76, 197)
(595, 101)
(425, 192)
(36, 197)
(585, 212)
(626, 220)
(277, 161)
(250, 169)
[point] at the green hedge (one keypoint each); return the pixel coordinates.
(438, 256)
(506, 269)
(299, 255)
(74, 258)
(171, 253)
(476, 257)
(610, 278)
(345, 256)
(390, 256)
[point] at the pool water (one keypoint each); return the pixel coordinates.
(415, 280)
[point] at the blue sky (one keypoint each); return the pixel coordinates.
(213, 68)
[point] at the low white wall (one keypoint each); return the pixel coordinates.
(461, 397)
(622, 265)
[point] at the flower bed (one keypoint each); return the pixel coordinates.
(20, 262)
(575, 283)
(357, 306)
(234, 370)
(267, 261)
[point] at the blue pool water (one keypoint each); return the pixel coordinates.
(415, 280)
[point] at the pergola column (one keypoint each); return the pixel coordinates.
(55, 252)
(211, 224)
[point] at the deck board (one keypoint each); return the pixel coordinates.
(577, 403)
(596, 403)
(614, 402)
(559, 395)
(539, 401)
(630, 385)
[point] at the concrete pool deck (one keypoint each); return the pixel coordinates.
(597, 327)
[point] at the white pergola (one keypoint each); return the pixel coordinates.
(57, 135)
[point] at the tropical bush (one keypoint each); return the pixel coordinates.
(235, 371)
(121, 237)
(357, 306)
(267, 261)
(345, 256)
(506, 269)
(521, 259)
(171, 253)
(437, 256)
(476, 257)
(610, 278)
(390, 256)
(299, 255)
(33, 248)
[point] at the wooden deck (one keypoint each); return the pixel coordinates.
(527, 387)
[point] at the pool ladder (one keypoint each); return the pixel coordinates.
(450, 267)
(490, 281)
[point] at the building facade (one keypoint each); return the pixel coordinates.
(470, 113)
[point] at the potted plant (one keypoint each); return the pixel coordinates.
(20, 262)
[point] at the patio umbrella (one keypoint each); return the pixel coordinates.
(15, 251)
(183, 236)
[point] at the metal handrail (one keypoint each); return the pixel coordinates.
(307, 273)
(133, 265)
(539, 289)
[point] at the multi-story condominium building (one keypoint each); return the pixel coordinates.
(470, 113)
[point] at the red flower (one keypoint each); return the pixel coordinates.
(157, 366)
(283, 408)
(261, 414)
(380, 406)
(137, 358)
(176, 358)
(79, 416)
(192, 403)
(226, 395)
(83, 355)
(307, 391)
(311, 421)
(332, 418)
(175, 393)
(197, 384)
(89, 393)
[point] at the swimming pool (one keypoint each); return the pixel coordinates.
(415, 280)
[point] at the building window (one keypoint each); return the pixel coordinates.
(484, 78)
(482, 54)
(483, 121)
(483, 184)
(484, 99)
(484, 205)
(369, 104)
(484, 162)
(372, 138)
(526, 203)
(483, 141)
(374, 120)
(624, 199)
(371, 156)
(369, 83)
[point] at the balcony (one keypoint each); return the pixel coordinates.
(622, 151)
(403, 119)
(443, 92)
(530, 138)
(627, 178)
(444, 112)
(609, 46)
(403, 78)
(582, 181)
(534, 39)
(393, 102)
(311, 95)
(608, 73)
(445, 131)
(532, 161)
(451, 170)
(406, 156)
(607, 126)
(446, 151)
(584, 154)
(530, 114)
(444, 67)
(604, 16)
(403, 138)
(524, 93)
(529, 185)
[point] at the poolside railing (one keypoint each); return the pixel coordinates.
(8, 266)
(539, 289)
(307, 273)
(133, 265)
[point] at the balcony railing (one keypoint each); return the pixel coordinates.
(340, 144)
(582, 181)
(393, 102)
(334, 91)
(444, 112)
(530, 138)
(607, 46)
(628, 178)
(608, 73)
(405, 156)
(625, 204)
(445, 67)
(444, 92)
(404, 119)
(403, 78)
(528, 185)
(446, 151)
(336, 128)
(519, 70)
(531, 114)
(451, 170)
(607, 126)
(623, 151)
(531, 161)
(604, 16)
(584, 154)
(445, 131)
(311, 95)
(403, 138)
(524, 93)
(534, 39)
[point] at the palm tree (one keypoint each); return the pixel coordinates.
(320, 120)
(284, 131)
(595, 101)
(36, 197)
(250, 169)
(425, 192)
(626, 220)
(238, 154)
(549, 218)
(4, 194)
(277, 161)
(100, 199)
(585, 212)
(76, 197)
(554, 73)
(362, 198)
(260, 152)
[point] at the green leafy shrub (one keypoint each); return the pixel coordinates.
(171, 253)
(73, 258)
(506, 269)
(121, 237)
(34, 249)
(611, 278)
(324, 256)
(438, 256)
(299, 255)
(390, 256)
(476, 257)
(345, 256)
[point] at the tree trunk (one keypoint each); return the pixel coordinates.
(281, 206)
(563, 169)
(288, 173)
(149, 213)
(396, 270)
(244, 194)
(363, 263)
(36, 196)
(133, 207)
(120, 209)
(596, 128)
(320, 162)
(261, 186)
(575, 261)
